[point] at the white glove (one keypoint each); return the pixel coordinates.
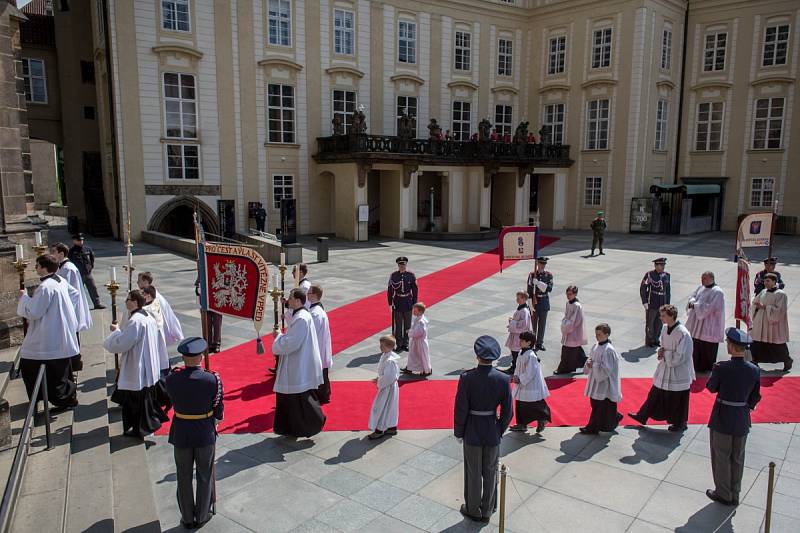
(645, 306)
(541, 285)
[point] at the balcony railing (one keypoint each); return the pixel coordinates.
(360, 147)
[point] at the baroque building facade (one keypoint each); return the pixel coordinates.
(216, 104)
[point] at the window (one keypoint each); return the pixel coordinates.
(407, 104)
(282, 189)
(88, 112)
(558, 55)
(776, 43)
(504, 57)
(502, 120)
(87, 72)
(597, 125)
(593, 191)
(709, 127)
(761, 192)
(666, 49)
(463, 50)
(280, 22)
(715, 52)
(601, 48)
(183, 161)
(180, 106)
(280, 105)
(343, 32)
(344, 105)
(661, 125)
(768, 128)
(461, 120)
(33, 75)
(175, 15)
(407, 42)
(554, 118)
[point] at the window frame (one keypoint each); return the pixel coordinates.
(666, 49)
(503, 127)
(593, 125)
(776, 44)
(409, 41)
(662, 125)
(458, 133)
(768, 121)
(347, 117)
(343, 31)
(505, 58)
(278, 19)
(276, 198)
(398, 110)
(601, 52)
(761, 191)
(28, 80)
(715, 51)
(595, 188)
(180, 100)
(286, 135)
(175, 3)
(547, 114)
(183, 157)
(710, 126)
(557, 58)
(465, 49)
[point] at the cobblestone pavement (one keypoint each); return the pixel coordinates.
(637, 480)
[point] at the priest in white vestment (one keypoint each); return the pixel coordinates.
(173, 333)
(322, 328)
(52, 338)
(69, 272)
(573, 335)
(604, 386)
(137, 343)
(299, 373)
(385, 409)
(770, 330)
(706, 322)
(668, 398)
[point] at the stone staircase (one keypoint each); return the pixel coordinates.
(93, 479)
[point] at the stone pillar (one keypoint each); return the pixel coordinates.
(350, 190)
(559, 200)
(521, 198)
(486, 200)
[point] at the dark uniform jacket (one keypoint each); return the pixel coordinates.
(402, 290)
(83, 257)
(758, 282)
(194, 391)
(655, 289)
(736, 381)
(598, 225)
(542, 297)
(482, 389)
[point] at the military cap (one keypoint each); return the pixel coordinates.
(660, 260)
(192, 346)
(542, 259)
(737, 336)
(771, 260)
(402, 260)
(487, 348)
(77, 237)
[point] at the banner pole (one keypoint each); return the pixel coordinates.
(204, 321)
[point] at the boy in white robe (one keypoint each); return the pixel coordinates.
(668, 398)
(604, 387)
(531, 389)
(385, 409)
(573, 335)
(706, 322)
(520, 321)
(137, 343)
(70, 273)
(173, 332)
(770, 330)
(300, 274)
(51, 339)
(299, 373)
(419, 358)
(154, 309)
(322, 327)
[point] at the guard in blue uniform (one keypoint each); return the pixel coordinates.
(477, 424)
(402, 295)
(196, 396)
(83, 257)
(769, 268)
(540, 297)
(655, 292)
(737, 385)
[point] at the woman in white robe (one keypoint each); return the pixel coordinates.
(419, 358)
(573, 335)
(520, 321)
(706, 322)
(385, 409)
(604, 386)
(770, 329)
(531, 389)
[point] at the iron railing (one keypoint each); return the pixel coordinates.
(23, 448)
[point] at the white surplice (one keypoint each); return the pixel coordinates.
(531, 387)
(173, 333)
(521, 321)
(675, 371)
(155, 310)
(707, 316)
(573, 333)
(137, 343)
(52, 324)
(69, 272)
(770, 324)
(604, 379)
(322, 327)
(419, 357)
(385, 409)
(299, 364)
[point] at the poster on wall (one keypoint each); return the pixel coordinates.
(641, 215)
(518, 242)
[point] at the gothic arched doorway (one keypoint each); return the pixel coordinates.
(176, 217)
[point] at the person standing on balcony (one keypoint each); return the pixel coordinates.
(598, 226)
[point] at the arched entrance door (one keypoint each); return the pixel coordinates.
(176, 217)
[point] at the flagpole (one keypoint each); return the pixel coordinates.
(203, 312)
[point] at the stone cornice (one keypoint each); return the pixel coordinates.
(178, 49)
(711, 85)
(598, 81)
(408, 77)
(554, 87)
(280, 62)
(505, 88)
(771, 80)
(343, 69)
(462, 83)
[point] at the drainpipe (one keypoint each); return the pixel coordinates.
(680, 93)
(431, 223)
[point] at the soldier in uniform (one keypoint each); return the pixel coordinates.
(83, 257)
(737, 385)
(655, 292)
(540, 284)
(402, 295)
(196, 396)
(478, 426)
(769, 268)
(598, 226)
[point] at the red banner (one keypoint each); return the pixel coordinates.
(742, 311)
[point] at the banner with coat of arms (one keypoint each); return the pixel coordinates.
(742, 311)
(518, 242)
(755, 231)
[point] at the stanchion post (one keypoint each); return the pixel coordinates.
(770, 490)
(502, 519)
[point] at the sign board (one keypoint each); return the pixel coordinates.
(518, 242)
(755, 231)
(641, 215)
(363, 213)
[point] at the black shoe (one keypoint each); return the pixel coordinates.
(99, 306)
(375, 435)
(188, 525)
(619, 417)
(540, 425)
(201, 523)
(273, 370)
(602, 253)
(642, 420)
(677, 429)
(541, 348)
(518, 427)
(405, 371)
(714, 496)
(788, 365)
(588, 431)
(474, 518)
(391, 431)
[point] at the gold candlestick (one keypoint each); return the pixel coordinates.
(282, 268)
(113, 287)
(40, 250)
(21, 265)
(276, 294)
